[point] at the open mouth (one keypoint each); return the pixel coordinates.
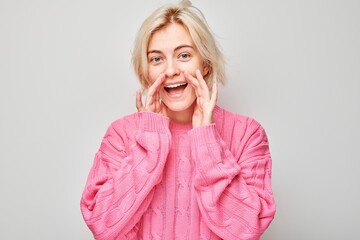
(175, 88)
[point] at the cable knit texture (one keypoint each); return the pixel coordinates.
(155, 179)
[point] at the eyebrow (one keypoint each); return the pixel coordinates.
(176, 49)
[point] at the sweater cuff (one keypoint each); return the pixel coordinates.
(153, 122)
(204, 135)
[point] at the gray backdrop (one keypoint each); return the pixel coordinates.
(65, 74)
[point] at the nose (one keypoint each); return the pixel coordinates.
(171, 69)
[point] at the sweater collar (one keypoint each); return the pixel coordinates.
(218, 116)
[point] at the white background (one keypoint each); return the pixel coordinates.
(66, 74)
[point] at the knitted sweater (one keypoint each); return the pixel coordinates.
(156, 179)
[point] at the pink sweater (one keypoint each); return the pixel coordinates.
(155, 179)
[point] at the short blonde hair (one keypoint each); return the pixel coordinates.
(193, 20)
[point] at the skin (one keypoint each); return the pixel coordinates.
(173, 58)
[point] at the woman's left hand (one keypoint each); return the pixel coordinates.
(205, 102)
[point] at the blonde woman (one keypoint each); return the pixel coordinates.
(181, 167)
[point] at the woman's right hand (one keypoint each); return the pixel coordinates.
(153, 101)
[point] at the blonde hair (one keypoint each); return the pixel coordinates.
(193, 20)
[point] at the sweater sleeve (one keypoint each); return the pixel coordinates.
(233, 187)
(121, 182)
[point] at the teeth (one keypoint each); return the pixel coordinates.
(175, 85)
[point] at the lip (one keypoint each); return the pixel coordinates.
(174, 84)
(177, 95)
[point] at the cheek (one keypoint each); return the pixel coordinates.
(153, 73)
(192, 66)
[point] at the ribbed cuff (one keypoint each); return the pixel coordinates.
(153, 122)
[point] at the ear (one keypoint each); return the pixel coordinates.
(205, 69)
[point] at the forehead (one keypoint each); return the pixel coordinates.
(169, 37)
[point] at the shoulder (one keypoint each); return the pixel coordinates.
(128, 121)
(123, 127)
(239, 129)
(229, 119)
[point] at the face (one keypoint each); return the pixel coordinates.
(172, 52)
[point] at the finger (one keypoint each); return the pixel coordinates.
(203, 85)
(214, 93)
(194, 83)
(139, 104)
(157, 103)
(192, 79)
(164, 109)
(152, 102)
(153, 93)
(199, 84)
(156, 85)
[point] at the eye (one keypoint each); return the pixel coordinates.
(155, 59)
(184, 56)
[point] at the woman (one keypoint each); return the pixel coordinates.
(181, 167)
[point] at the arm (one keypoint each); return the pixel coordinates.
(121, 182)
(233, 193)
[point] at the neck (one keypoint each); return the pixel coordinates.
(184, 116)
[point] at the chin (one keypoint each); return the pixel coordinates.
(179, 106)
